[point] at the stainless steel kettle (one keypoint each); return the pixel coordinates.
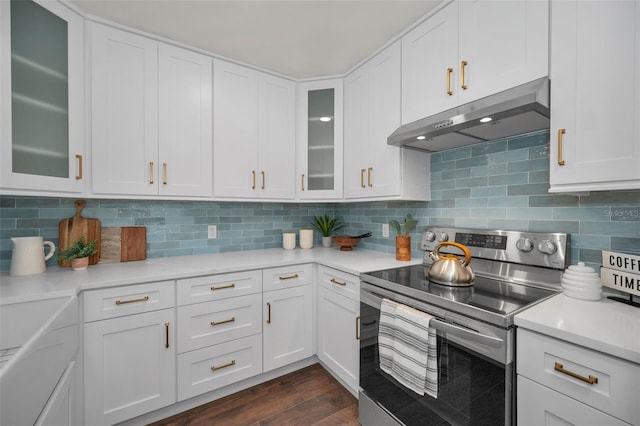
(448, 269)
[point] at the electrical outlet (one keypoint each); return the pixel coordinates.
(213, 232)
(385, 230)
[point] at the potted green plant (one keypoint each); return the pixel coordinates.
(326, 225)
(78, 253)
(403, 237)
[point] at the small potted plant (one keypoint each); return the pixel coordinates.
(326, 225)
(403, 237)
(78, 253)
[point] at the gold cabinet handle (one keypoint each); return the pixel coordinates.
(164, 173)
(561, 132)
(268, 313)
(560, 368)
(333, 280)
(166, 327)
(369, 170)
(358, 327)
(222, 287)
(253, 179)
(290, 277)
(463, 85)
(263, 180)
(230, 364)
(303, 181)
(151, 172)
(79, 158)
(362, 178)
(214, 323)
(123, 302)
(449, 91)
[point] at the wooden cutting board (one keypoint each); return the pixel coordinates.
(72, 229)
(123, 244)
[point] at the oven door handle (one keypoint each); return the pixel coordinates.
(467, 334)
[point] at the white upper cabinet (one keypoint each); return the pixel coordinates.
(319, 139)
(254, 133)
(151, 118)
(472, 49)
(41, 97)
(372, 168)
(595, 96)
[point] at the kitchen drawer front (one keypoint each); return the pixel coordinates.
(128, 300)
(340, 282)
(216, 287)
(216, 366)
(616, 391)
(287, 277)
(211, 323)
(541, 406)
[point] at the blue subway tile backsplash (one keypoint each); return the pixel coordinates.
(497, 184)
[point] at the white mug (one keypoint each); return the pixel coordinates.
(288, 240)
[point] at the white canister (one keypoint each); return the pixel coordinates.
(288, 240)
(306, 238)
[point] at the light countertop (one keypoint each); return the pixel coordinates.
(605, 325)
(61, 281)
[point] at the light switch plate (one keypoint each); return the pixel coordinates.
(385, 230)
(212, 232)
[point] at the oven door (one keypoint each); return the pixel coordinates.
(475, 371)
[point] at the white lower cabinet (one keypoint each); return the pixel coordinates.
(61, 409)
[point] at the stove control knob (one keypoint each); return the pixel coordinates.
(524, 244)
(430, 236)
(443, 237)
(547, 247)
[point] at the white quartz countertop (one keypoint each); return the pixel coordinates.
(57, 282)
(605, 325)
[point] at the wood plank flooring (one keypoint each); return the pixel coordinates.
(306, 397)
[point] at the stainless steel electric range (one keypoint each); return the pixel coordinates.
(475, 332)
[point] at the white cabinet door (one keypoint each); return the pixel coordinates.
(287, 330)
(338, 334)
(41, 97)
(235, 133)
(276, 137)
(130, 366)
(62, 407)
(125, 115)
(429, 66)
(185, 146)
(519, 28)
(595, 129)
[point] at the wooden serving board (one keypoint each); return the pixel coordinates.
(123, 244)
(72, 229)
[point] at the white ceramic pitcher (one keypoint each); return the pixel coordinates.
(28, 256)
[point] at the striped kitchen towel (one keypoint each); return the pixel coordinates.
(386, 334)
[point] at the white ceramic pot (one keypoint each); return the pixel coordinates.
(326, 242)
(28, 256)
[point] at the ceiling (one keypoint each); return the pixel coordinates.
(297, 38)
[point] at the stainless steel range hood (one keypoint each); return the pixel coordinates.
(519, 110)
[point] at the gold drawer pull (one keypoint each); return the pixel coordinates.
(449, 71)
(591, 379)
(164, 173)
(263, 180)
(333, 280)
(362, 178)
(561, 132)
(463, 84)
(214, 288)
(369, 170)
(214, 323)
(253, 179)
(358, 327)
(302, 182)
(151, 172)
(79, 158)
(122, 302)
(290, 277)
(231, 364)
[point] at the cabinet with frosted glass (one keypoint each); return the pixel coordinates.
(319, 139)
(41, 97)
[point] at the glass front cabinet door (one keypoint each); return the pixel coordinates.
(320, 111)
(41, 97)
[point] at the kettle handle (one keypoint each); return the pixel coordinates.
(467, 253)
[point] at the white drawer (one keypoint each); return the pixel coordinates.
(216, 287)
(618, 381)
(211, 323)
(128, 300)
(541, 406)
(340, 282)
(287, 277)
(217, 366)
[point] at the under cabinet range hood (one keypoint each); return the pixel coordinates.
(515, 111)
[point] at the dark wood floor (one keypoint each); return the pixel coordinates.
(310, 396)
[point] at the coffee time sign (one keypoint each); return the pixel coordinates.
(621, 272)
